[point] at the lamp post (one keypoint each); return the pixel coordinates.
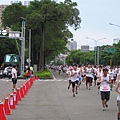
(114, 24)
(23, 45)
(29, 47)
(96, 51)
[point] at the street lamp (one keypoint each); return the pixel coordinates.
(114, 24)
(23, 45)
(96, 51)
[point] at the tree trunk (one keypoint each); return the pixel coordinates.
(41, 63)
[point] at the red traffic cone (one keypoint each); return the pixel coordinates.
(7, 107)
(12, 102)
(21, 92)
(24, 86)
(36, 77)
(2, 112)
(18, 95)
(27, 86)
(15, 97)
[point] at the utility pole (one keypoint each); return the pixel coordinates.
(29, 47)
(96, 49)
(98, 54)
(23, 46)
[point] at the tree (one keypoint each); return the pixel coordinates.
(11, 16)
(49, 22)
(78, 57)
(65, 14)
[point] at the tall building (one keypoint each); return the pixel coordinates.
(2, 7)
(116, 40)
(72, 45)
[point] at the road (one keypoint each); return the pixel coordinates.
(51, 100)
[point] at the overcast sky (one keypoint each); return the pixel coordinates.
(96, 16)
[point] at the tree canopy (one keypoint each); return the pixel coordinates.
(49, 22)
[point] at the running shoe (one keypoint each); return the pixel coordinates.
(118, 119)
(73, 94)
(103, 108)
(106, 105)
(76, 92)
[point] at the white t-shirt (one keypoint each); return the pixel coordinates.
(14, 71)
(89, 72)
(111, 73)
(104, 86)
(75, 77)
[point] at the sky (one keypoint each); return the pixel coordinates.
(96, 16)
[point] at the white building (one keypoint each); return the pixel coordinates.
(72, 45)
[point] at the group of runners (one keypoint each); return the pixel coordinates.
(104, 77)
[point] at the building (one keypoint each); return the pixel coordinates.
(72, 45)
(2, 7)
(116, 40)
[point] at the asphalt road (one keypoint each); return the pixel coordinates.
(51, 100)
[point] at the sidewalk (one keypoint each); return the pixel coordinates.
(6, 86)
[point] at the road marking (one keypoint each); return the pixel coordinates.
(42, 80)
(57, 80)
(9, 80)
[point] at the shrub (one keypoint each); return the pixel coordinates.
(43, 74)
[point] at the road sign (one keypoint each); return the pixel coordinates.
(4, 32)
(14, 34)
(84, 48)
(111, 50)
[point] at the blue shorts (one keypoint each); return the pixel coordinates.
(80, 78)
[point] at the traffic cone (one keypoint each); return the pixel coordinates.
(18, 94)
(2, 112)
(15, 97)
(12, 102)
(36, 77)
(21, 92)
(25, 88)
(7, 106)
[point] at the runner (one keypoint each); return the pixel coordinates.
(89, 77)
(99, 74)
(80, 78)
(95, 74)
(59, 69)
(111, 74)
(117, 89)
(83, 74)
(104, 81)
(69, 77)
(74, 79)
